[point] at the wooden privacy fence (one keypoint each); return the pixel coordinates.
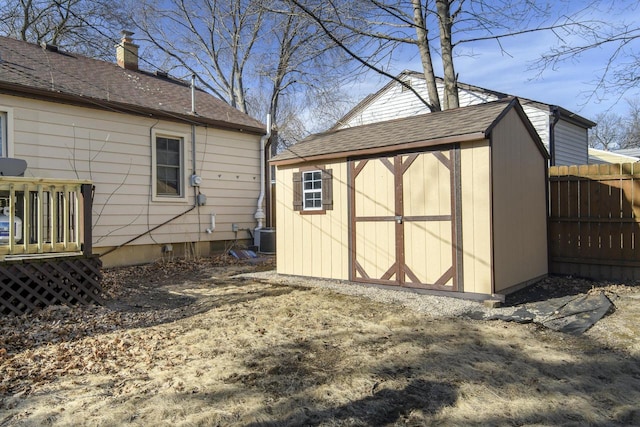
(594, 221)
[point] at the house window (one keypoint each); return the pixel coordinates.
(4, 134)
(313, 190)
(168, 167)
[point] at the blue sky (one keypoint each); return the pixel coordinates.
(569, 85)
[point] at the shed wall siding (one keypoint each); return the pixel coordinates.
(313, 245)
(571, 148)
(476, 216)
(519, 205)
(114, 150)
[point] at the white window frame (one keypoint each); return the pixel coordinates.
(306, 191)
(6, 129)
(182, 197)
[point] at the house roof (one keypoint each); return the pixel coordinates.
(603, 156)
(28, 69)
(632, 152)
(444, 127)
(564, 113)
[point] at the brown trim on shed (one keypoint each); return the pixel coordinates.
(399, 268)
(398, 178)
(456, 211)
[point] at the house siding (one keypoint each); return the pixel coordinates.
(398, 102)
(539, 118)
(394, 102)
(519, 197)
(114, 151)
(570, 148)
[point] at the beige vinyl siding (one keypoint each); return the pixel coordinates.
(476, 216)
(570, 144)
(314, 245)
(519, 206)
(114, 150)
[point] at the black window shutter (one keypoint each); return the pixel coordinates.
(327, 189)
(297, 191)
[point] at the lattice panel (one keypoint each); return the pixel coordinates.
(33, 284)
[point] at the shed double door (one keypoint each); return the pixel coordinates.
(402, 222)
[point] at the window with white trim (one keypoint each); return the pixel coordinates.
(4, 134)
(168, 167)
(313, 190)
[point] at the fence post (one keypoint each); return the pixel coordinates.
(87, 207)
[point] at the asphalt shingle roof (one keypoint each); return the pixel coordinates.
(27, 68)
(475, 119)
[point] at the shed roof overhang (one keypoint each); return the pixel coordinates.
(408, 146)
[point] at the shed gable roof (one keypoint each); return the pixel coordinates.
(450, 126)
(27, 69)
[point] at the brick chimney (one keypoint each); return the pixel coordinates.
(127, 52)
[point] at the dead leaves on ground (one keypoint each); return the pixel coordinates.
(39, 347)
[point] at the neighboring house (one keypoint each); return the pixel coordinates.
(172, 174)
(563, 133)
(632, 152)
(602, 157)
(432, 201)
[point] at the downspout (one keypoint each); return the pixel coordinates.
(193, 126)
(268, 179)
(260, 216)
(552, 133)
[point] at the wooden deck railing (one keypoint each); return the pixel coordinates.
(42, 217)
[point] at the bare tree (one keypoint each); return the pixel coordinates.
(82, 26)
(615, 131)
(385, 28)
(609, 134)
(614, 35)
(259, 57)
(299, 65)
(212, 39)
(632, 124)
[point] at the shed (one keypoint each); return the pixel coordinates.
(452, 201)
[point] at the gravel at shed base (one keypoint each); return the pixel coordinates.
(436, 306)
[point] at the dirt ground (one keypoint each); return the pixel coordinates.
(185, 344)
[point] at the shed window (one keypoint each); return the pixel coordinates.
(313, 191)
